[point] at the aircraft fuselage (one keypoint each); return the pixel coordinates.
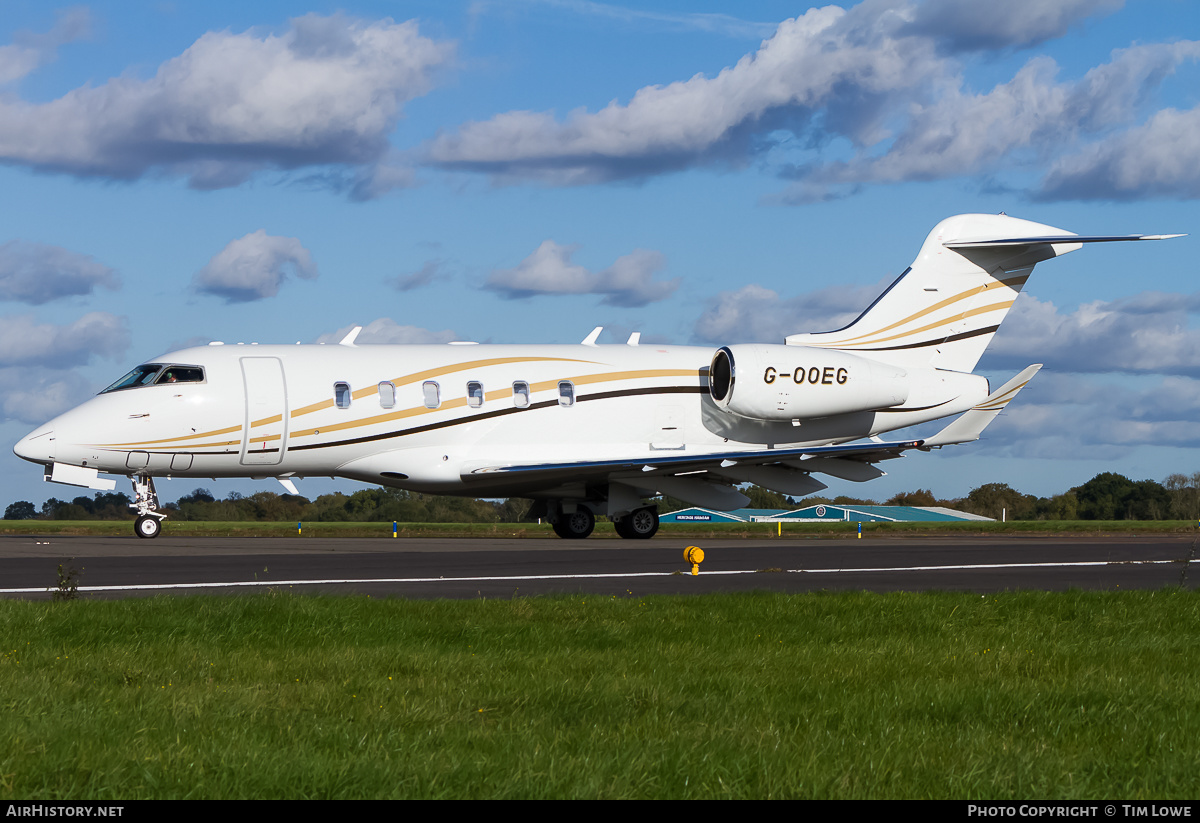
(426, 418)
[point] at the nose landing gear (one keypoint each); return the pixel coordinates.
(147, 525)
(149, 521)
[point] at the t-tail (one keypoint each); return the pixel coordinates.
(943, 310)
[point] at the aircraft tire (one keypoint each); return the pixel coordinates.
(147, 526)
(575, 526)
(621, 526)
(641, 524)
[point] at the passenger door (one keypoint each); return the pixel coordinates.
(264, 436)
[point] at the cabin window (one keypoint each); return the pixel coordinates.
(566, 393)
(341, 395)
(387, 394)
(474, 394)
(433, 394)
(521, 394)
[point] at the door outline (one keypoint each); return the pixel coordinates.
(266, 397)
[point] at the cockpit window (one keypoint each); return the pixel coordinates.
(181, 374)
(158, 373)
(141, 376)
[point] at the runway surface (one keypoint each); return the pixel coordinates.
(485, 567)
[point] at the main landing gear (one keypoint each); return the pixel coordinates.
(640, 524)
(576, 525)
(145, 500)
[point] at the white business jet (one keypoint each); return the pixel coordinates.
(583, 430)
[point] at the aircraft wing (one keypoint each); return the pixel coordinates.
(704, 478)
(692, 462)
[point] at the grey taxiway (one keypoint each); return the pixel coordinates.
(487, 567)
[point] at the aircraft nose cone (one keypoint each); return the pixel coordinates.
(36, 447)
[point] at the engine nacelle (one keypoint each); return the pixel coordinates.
(779, 383)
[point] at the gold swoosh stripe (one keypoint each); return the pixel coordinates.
(460, 402)
(455, 403)
(939, 324)
(325, 404)
(1003, 400)
(1018, 281)
(436, 372)
(185, 437)
(164, 449)
(379, 418)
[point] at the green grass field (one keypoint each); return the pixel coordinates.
(848, 695)
(603, 530)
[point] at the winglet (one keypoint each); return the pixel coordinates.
(969, 426)
(348, 340)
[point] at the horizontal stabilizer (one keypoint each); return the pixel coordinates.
(970, 425)
(987, 242)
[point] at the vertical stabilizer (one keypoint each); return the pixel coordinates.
(942, 312)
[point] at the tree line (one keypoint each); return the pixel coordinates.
(367, 505)
(1107, 496)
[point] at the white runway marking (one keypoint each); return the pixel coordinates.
(515, 578)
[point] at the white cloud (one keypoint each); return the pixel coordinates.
(754, 314)
(1147, 333)
(415, 280)
(549, 270)
(37, 273)
(1029, 116)
(35, 395)
(30, 50)
(329, 90)
(23, 341)
(386, 331)
(809, 65)
(882, 84)
(1158, 159)
(17, 61)
(969, 25)
(374, 181)
(1070, 417)
(253, 267)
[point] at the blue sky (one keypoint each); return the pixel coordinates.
(705, 173)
